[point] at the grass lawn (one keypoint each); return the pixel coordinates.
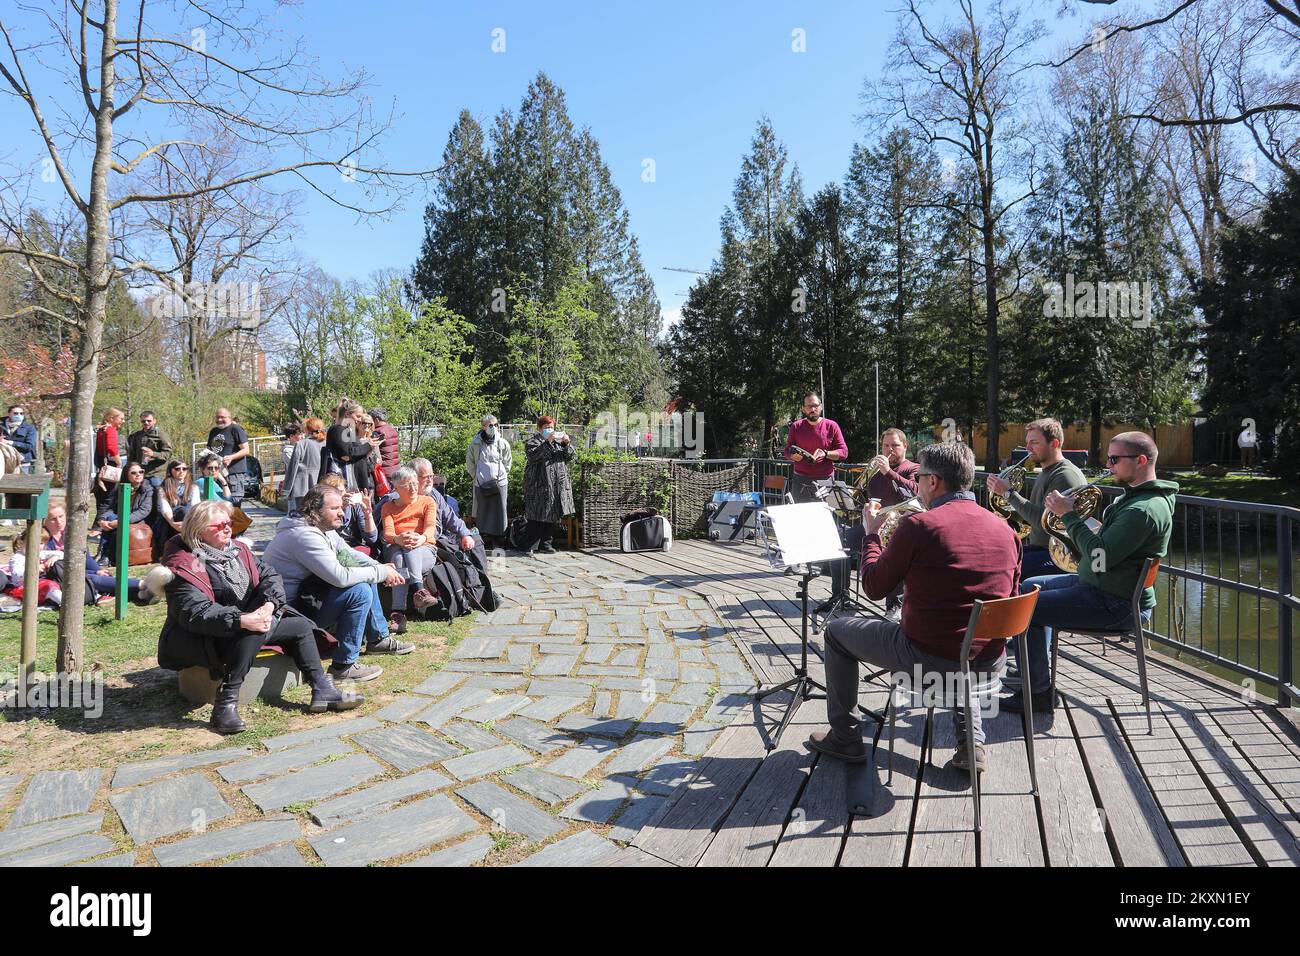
(144, 714)
(1266, 490)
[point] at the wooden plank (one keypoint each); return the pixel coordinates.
(881, 839)
(835, 790)
(751, 830)
(1270, 833)
(943, 834)
(747, 637)
(1198, 823)
(1009, 813)
(1072, 821)
(682, 833)
(1138, 832)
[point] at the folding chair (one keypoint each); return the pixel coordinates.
(1150, 570)
(774, 489)
(989, 620)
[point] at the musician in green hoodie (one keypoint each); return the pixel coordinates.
(1134, 527)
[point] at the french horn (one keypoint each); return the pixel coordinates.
(1015, 477)
(1087, 501)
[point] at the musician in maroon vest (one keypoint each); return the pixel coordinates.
(949, 556)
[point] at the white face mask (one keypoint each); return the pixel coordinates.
(15, 419)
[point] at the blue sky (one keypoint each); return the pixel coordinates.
(681, 83)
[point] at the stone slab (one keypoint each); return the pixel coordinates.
(437, 684)
(579, 761)
(168, 807)
(540, 785)
(496, 708)
(598, 806)
(548, 708)
(465, 853)
(631, 706)
(56, 793)
(339, 728)
(609, 727)
(118, 860)
(471, 736)
(497, 682)
(131, 774)
(395, 833)
(374, 800)
(533, 735)
(227, 842)
(486, 761)
(554, 665)
(666, 718)
(313, 783)
(437, 714)
(276, 856)
(634, 755)
(582, 849)
(636, 815)
(550, 687)
(283, 761)
(8, 783)
(405, 747)
(510, 812)
(35, 834)
(402, 708)
(484, 667)
(479, 648)
(72, 850)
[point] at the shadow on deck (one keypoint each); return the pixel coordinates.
(1217, 782)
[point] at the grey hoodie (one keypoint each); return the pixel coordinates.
(300, 550)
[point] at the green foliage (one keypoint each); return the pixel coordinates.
(544, 358)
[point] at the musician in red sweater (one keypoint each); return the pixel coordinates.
(814, 445)
(949, 556)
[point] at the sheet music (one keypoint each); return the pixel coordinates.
(805, 533)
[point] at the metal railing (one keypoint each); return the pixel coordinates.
(1228, 594)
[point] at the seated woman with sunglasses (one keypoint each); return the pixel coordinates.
(223, 606)
(177, 495)
(1135, 526)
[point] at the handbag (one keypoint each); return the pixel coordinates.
(382, 486)
(109, 475)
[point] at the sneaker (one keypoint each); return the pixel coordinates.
(546, 548)
(389, 645)
(981, 759)
(1043, 703)
(355, 671)
(397, 622)
(894, 615)
(824, 741)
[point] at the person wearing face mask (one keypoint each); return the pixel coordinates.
(548, 490)
(814, 445)
(17, 431)
(488, 461)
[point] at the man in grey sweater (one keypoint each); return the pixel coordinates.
(307, 549)
(1043, 439)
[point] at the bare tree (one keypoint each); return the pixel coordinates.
(106, 86)
(957, 85)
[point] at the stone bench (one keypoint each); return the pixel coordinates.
(270, 676)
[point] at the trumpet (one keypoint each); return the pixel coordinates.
(1086, 500)
(1015, 477)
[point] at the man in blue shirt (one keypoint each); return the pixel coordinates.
(17, 431)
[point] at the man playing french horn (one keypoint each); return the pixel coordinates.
(1043, 439)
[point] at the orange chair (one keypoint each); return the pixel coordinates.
(1150, 571)
(1004, 618)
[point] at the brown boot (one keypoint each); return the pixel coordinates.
(825, 742)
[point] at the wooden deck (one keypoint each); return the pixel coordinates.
(1216, 784)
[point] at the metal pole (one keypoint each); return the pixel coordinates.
(31, 575)
(209, 488)
(1284, 629)
(123, 555)
(877, 408)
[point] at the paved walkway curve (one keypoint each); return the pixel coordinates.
(552, 735)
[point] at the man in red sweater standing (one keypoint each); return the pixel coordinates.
(949, 556)
(814, 445)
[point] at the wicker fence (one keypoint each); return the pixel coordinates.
(680, 490)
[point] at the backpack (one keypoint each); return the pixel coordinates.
(467, 575)
(253, 478)
(515, 533)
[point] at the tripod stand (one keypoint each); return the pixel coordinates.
(800, 683)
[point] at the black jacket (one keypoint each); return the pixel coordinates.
(200, 628)
(143, 503)
(349, 455)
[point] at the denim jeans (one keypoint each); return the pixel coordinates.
(1036, 562)
(351, 614)
(1065, 602)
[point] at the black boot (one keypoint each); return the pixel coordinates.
(225, 713)
(326, 696)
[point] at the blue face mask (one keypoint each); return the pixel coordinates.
(15, 419)
(548, 432)
(490, 432)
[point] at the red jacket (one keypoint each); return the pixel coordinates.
(947, 558)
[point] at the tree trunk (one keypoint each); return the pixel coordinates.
(86, 382)
(991, 337)
(1094, 439)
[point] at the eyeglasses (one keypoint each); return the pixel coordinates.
(932, 474)
(221, 526)
(181, 468)
(1111, 459)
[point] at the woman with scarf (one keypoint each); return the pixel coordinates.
(488, 462)
(223, 606)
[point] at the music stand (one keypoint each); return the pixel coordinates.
(795, 538)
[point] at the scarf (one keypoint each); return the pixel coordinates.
(229, 564)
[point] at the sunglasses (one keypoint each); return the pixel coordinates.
(181, 468)
(221, 526)
(1112, 459)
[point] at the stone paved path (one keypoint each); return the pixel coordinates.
(552, 735)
